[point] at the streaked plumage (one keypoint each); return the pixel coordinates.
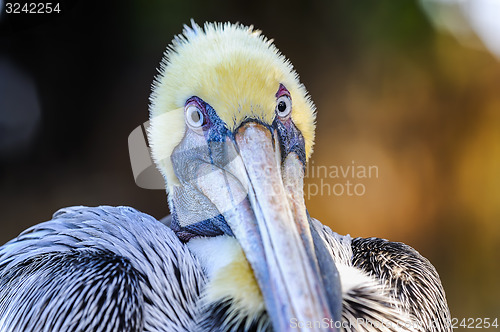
(401, 274)
(237, 253)
(85, 259)
(159, 282)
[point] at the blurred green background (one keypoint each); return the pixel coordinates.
(392, 91)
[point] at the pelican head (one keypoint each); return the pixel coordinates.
(231, 129)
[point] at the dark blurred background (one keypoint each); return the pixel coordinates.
(395, 86)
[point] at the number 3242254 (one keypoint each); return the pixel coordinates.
(32, 8)
(475, 323)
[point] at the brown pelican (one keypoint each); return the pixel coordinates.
(231, 131)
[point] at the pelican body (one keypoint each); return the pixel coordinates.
(231, 130)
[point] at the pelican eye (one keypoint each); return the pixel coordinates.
(283, 106)
(194, 116)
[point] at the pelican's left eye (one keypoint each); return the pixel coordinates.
(194, 116)
(283, 106)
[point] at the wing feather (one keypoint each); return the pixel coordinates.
(60, 253)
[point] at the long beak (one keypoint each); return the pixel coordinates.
(266, 212)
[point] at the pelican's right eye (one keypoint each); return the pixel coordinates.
(195, 117)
